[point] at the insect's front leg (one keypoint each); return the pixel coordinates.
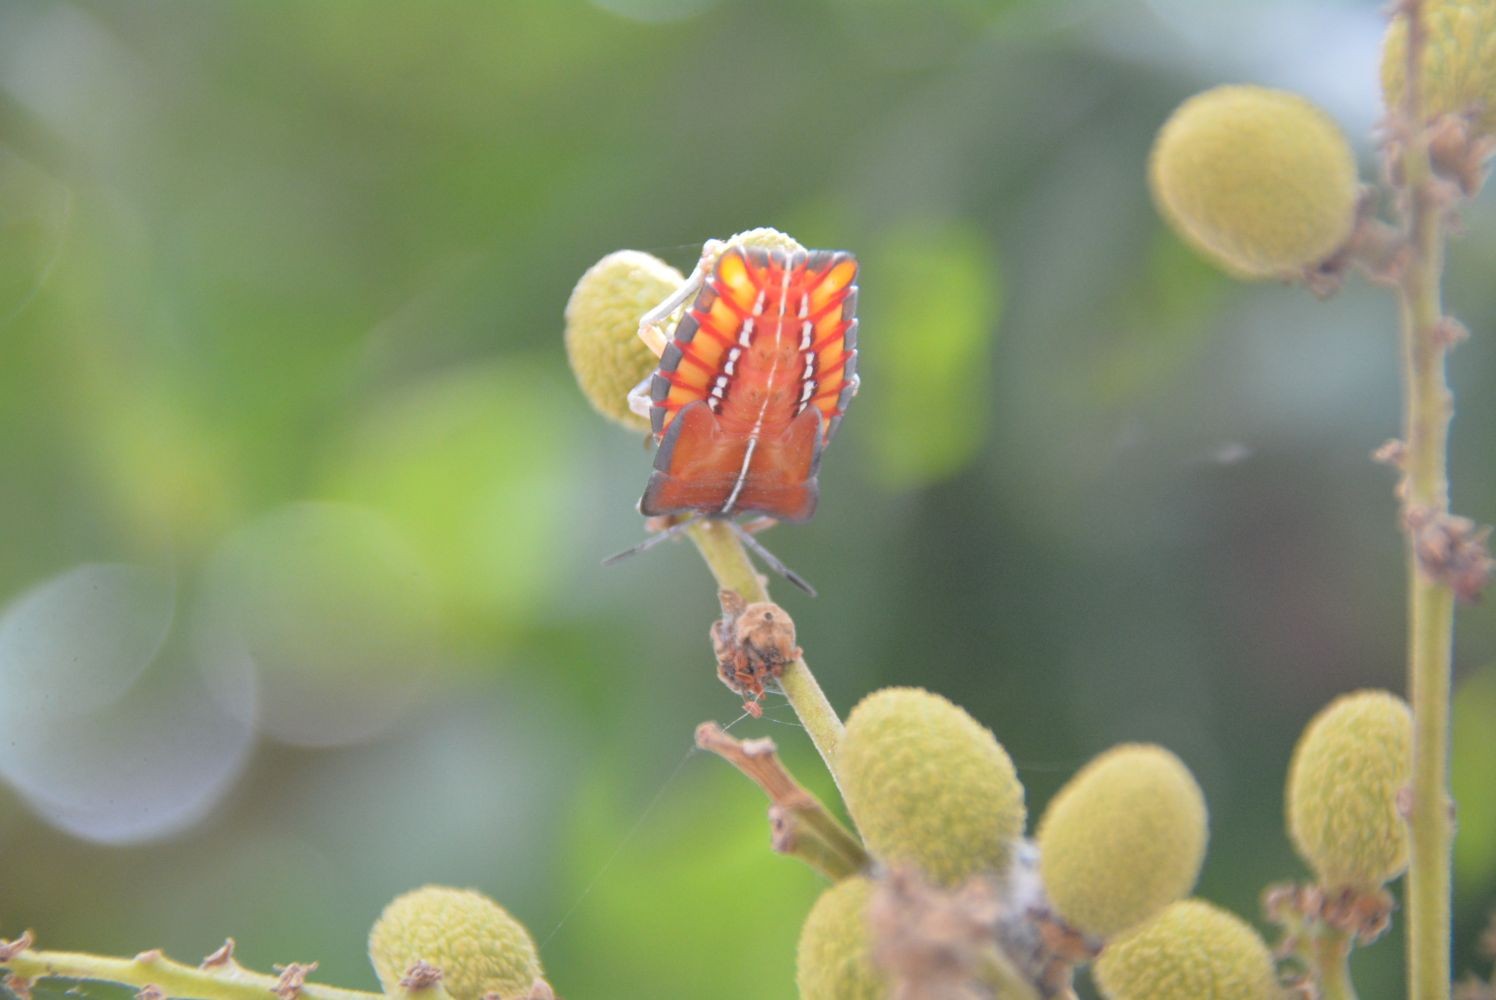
(652, 325)
(640, 401)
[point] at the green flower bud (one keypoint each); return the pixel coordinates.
(478, 946)
(1124, 838)
(835, 958)
(928, 785)
(1343, 782)
(1459, 61)
(1188, 951)
(1260, 181)
(602, 329)
(766, 237)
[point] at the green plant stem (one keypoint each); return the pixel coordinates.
(1427, 411)
(228, 981)
(729, 563)
(1332, 952)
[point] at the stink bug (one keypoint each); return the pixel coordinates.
(751, 385)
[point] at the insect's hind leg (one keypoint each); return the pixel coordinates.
(653, 540)
(770, 559)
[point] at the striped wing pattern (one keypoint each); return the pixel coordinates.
(753, 383)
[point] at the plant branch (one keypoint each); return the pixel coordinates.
(218, 978)
(1332, 952)
(801, 825)
(1426, 415)
(729, 563)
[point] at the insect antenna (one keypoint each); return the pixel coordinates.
(652, 541)
(770, 559)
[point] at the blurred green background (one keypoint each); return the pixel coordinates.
(302, 514)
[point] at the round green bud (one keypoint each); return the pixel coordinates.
(1190, 950)
(1343, 781)
(602, 329)
(928, 785)
(478, 946)
(1459, 61)
(1260, 181)
(1122, 839)
(835, 958)
(766, 237)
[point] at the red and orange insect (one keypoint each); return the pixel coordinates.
(752, 384)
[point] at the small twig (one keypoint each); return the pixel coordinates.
(222, 980)
(801, 825)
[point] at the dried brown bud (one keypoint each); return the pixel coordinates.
(753, 644)
(1450, 550)
(223, 956)
(1392, 452)
(1449, 332)
(292, 979)
(933, 942)
(1363, 913)
(10, 949)
(421, 976)
(1459, 153)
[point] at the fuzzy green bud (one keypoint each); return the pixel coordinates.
(1261, 181)
(602, 329)
(477, 945)
(1122, 839)
(835, 958)
(1188, 951)
(1347, 769)
(765, 237)
(928, 785)
(1459, 61)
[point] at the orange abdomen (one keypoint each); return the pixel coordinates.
(753, 383)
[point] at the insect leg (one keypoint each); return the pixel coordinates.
(639, 401)
(770, 559)
(651, 541)
(651, 324)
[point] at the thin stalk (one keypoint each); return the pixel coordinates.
(228, 981)
(801, 825)
(1426, 415)
(1332, 952)
(729, 563)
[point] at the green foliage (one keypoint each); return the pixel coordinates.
(1471, 784)
(938, 285)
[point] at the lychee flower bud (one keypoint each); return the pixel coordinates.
(835, 959)
(929, 786)
(1261, 181)
(1122, 839)
(1459, 61)
(477, 945)
(765, 237)
(602, 329)
(1189, 950)
(1343, 782)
